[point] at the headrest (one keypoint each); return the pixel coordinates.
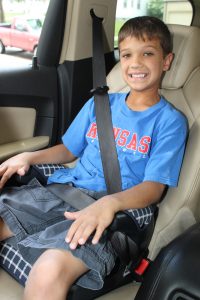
(186, 48)
(115, 80)
(186, 41)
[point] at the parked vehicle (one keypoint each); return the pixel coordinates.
(38, 102)
(23, 33)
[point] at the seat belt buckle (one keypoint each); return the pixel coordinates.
(100, 90)
(141, 268)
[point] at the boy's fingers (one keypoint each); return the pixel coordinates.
(6, 176)
(2, 169)
(70, 215)
(74, 237)
(72, 231)
(89, 229)
(98, 234)
(84, 225)
(22, 171)
(79, 233)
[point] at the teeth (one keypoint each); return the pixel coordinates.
(138, 75)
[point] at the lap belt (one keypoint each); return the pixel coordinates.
(71, 195)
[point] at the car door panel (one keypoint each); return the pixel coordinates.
(28, 91)
(34, 87)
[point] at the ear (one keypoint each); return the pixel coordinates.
(167, 61)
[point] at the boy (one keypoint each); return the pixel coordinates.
(150, 139)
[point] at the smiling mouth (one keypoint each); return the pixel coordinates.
(138, 75)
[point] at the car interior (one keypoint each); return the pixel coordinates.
(39, 101)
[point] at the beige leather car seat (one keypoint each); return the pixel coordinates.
(181, 86)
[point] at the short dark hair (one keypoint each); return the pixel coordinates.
(150, 27)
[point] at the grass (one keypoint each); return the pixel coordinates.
(10, 15)
(118, 25)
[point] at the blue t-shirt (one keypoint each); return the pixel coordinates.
(150, 145)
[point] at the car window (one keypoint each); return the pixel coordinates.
(20, 25)
(25, 19)
(35, 24)
(170, 11)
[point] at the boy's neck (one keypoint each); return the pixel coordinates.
(141, 101)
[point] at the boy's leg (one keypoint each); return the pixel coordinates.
(52, 275)
(5, 232)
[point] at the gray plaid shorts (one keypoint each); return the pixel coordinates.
(36, 216)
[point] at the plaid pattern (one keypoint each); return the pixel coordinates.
(48, 169)
(12, 262)
(142, 215)
(10, 258)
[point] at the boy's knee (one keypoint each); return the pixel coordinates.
(47, 269)
(56, 266)
(48, 278)
(5, 232)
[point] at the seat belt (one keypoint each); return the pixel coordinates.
(105, 131)
(127, 248)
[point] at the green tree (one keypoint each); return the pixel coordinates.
(155, 8)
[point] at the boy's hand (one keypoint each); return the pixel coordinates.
(16, 164)
(94, 218)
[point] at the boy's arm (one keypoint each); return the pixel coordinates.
(139, 196)
(57, 154)
(98, 216)
(21, 163)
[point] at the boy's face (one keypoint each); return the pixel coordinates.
(142, 63)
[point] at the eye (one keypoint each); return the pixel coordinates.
(125, 55)
(148, 53)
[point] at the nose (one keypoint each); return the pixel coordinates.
(135, 61)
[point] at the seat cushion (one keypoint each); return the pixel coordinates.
(9, 287)
(12, 262)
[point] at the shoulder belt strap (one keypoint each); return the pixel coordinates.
(107, 144)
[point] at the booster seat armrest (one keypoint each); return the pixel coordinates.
(129, 240)
(124, 223)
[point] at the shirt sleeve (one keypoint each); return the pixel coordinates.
(74, 138)
(167, 153)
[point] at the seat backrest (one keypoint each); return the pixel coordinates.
(180, 86)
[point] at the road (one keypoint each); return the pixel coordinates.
(15, 57)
